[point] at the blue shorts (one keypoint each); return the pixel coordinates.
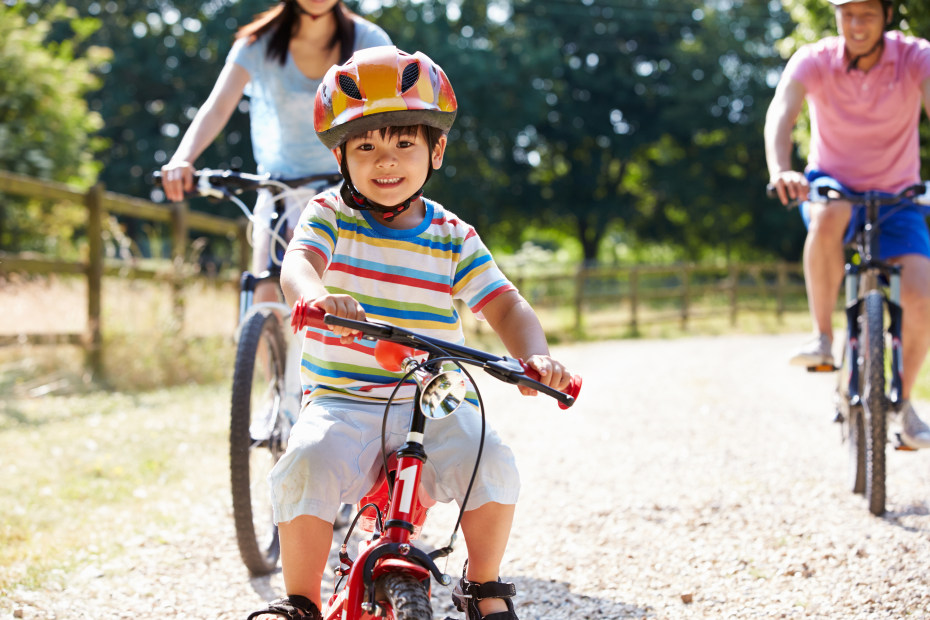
(903, 227)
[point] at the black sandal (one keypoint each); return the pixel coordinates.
(293, 607)
(466, 595)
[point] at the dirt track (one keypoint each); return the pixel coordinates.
(697, 478)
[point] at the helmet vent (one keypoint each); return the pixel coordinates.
(349, 87)
(410, 76)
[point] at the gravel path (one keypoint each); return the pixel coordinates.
(697, 478)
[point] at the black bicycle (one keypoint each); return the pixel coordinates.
(868, 389)
(266, 391)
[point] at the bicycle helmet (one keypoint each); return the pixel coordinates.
(376, 88)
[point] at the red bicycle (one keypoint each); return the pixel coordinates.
(390, 577)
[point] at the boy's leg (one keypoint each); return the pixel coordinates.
(486, 530)
(305, 543)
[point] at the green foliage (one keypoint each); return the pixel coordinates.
(46, 128)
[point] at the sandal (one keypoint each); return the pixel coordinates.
(467, 593)
(293, 607)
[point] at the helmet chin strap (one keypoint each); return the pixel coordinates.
(854, 63)
(356, 200)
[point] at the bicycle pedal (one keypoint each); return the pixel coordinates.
(822, 368)
(900, 446)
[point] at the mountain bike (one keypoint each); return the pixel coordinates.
(868, 390)
(266, 390)
(390, 577)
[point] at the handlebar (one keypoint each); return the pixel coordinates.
(221, 184)
(919, 193)
(408, 344)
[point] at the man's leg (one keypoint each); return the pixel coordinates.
(915, 334)
(823, 275)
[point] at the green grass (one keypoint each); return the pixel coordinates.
(81, 475)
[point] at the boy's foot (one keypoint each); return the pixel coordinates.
(816, 352)
(292, 607)
(914, 432)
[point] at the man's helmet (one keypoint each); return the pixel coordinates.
(381, 87)
(886, 4)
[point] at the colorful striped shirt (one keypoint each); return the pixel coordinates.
(408, 278)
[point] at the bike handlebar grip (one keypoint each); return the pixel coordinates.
(304, 315)
(573, 389)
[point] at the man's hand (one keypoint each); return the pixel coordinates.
(790, 185)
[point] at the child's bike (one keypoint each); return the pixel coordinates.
(868, 390)
(266, 391)
(390, 577)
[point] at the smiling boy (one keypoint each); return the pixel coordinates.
(379, 249)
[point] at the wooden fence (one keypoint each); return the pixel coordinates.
(595, 299)
(100, 204)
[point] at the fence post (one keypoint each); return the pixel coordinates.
(93, 200)
(734, 292)
(634, 299)
(579, 296)
(781, 284)
(179, 236)
(685, 294)
(245, 248)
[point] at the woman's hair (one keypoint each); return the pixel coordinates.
(283, 21)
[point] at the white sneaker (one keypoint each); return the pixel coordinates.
(914, 432)
(817, 352)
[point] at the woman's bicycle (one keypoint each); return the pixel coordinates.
(390, 577)
(868, 390)
(266, 390)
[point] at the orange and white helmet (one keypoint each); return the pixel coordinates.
(381, 87)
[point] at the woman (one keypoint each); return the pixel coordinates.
(278, 60)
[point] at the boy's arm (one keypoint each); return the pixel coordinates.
(518, 327)
(302, 277)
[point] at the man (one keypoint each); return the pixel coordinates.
(864, 90)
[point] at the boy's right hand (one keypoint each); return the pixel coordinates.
(344, 306)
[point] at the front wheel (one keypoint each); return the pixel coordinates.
(258, 432)
(407, 598)
(876, 404)
(850, 414)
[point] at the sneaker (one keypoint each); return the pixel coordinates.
(914, 432)
(817, 352)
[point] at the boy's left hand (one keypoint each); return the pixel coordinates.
(551, 373)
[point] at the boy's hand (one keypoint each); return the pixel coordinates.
(343, 306)
(551, 373)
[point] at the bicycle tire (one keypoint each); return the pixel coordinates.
(852, 419)
(257, 437)
(876, 404)
(407, 598)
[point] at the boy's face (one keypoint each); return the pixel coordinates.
(861, 24)
(388, 169)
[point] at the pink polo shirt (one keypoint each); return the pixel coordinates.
(864, 125)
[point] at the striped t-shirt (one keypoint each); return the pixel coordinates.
(408, 278)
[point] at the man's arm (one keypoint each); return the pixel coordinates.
(779, 122)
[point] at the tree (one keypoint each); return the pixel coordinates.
(46, 129)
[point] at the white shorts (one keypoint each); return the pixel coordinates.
(334, 456)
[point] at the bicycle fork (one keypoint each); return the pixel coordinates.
(853, 306)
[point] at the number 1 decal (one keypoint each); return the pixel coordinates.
(407, 476)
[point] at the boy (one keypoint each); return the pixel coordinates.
(379, 249)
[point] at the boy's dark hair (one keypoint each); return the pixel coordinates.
(431, 133)
(283, 20)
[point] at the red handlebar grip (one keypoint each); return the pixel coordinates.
(304, 315)
(573, 388)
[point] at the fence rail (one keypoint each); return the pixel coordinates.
(594, 298)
